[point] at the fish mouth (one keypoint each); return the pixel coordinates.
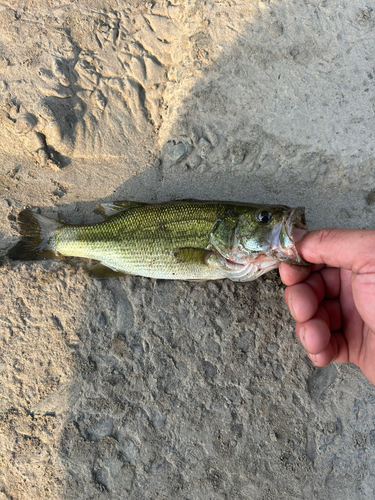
(295, 223)
(291, 230)
(281, 241)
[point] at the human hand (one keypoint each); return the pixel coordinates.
(333, 301)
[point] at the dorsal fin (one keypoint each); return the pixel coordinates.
(111, 208)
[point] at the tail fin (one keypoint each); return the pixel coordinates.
(38, 237)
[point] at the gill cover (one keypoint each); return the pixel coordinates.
(258, 233)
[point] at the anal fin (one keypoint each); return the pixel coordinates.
(100, 271)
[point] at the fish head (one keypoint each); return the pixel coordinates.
(268, 232)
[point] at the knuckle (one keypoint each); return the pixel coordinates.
(326, 240)
(326, 235)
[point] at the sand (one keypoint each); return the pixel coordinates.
(144, 389)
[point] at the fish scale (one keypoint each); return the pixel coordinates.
(177, 240)
(143, 240)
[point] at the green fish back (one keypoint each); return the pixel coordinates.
(146, 240)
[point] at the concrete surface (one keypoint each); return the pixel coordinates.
(142, 389)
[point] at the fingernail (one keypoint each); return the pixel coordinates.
(302, 332)
(312, 357)
(298, 234)
(290, 304)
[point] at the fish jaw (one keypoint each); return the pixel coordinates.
(251, 270)
(284, 237)
(280, 243)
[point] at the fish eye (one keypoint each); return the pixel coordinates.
(264, 217)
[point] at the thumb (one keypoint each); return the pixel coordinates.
(352, 249)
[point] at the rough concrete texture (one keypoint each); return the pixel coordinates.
(143, 389)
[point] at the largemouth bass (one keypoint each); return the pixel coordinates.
(182, 240)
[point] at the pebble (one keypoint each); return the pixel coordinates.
(124, 316)
(275, 29)
(42, 156)
(100, 100)
(3, 86)
(102, 320)
(66, 145)
(56, 68)
(209, 369)
(24, 124)
(4, 62)
(204, 148)
(137, 352)
(157, 419)
(203, 167)
(4, 203)
(236, 155)
(176, 150)
(155, 72)
(64, 81)
(179, 150)
(194, 160)
(44, 110)
(212, 138)
(53, 131)
(100, 430)
(272, 347)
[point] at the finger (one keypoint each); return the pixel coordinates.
(314, 335)
(316, 282)
(363, 286)
(333, 309)
(342, 355)
(326, 356)
(348, 248)
(337, 351)
(290, 275)
(331, 280)
(351, 320)
(302, 301)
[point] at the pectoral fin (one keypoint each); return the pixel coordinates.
(192, 255)
(111, 208)
(100, 271)
(209, 258)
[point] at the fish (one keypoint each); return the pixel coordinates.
(179, 240)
